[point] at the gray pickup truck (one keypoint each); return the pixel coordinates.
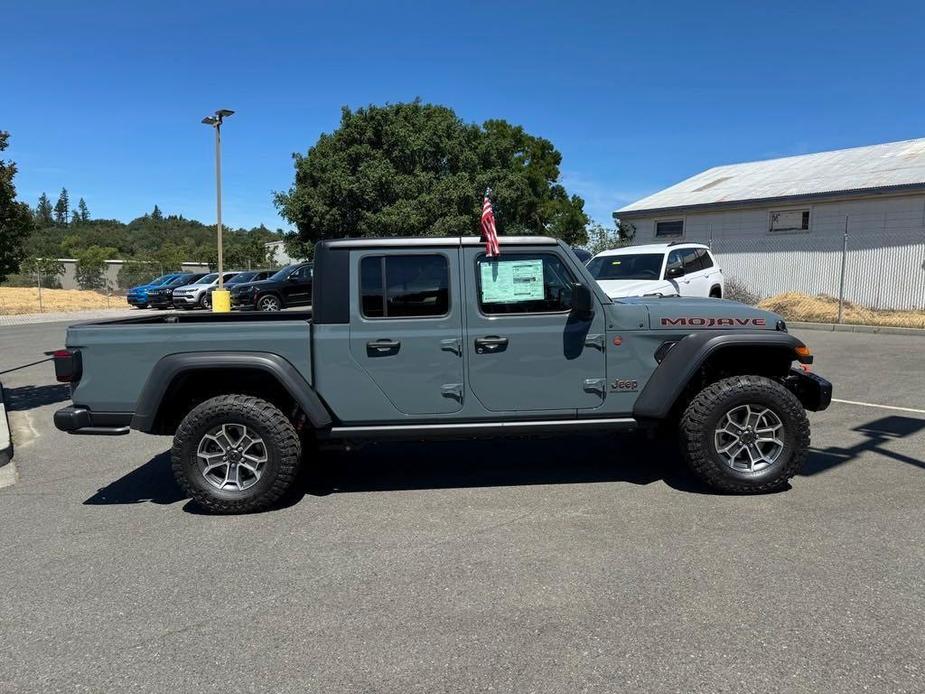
(421, 338)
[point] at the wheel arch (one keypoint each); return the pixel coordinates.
(178, 382)
(701, 358)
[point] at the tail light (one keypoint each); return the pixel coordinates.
(67, 365)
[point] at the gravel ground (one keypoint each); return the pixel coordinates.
(587, 563)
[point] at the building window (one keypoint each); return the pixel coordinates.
(671, 227)
(789, 220)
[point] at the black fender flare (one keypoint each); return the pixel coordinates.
(682, 362)
(173, 365)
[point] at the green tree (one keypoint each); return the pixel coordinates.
(44, 271)
(44, 212)
(156, 215)
(418, 169)
(15, 218)
(601, 238)
(62, 208)
(135, 272)
(83, 212)
(91, 267)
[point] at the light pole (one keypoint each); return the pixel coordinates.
(220, 298)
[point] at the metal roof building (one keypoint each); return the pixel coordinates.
(779, 225)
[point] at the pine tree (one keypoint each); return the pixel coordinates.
(15, 218)
(43, 212)
(83, 212)
(62, 209)
(157, 215)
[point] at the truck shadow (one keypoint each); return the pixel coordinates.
(30, 397)
(577, 459)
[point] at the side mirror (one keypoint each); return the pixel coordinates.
(674, 272)
(582, 303)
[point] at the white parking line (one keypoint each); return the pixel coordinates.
(882, 407)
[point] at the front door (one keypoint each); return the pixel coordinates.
(406, 332)
(526, 349)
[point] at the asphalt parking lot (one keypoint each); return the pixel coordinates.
(585, 563)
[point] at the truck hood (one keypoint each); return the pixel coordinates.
(696, 313)
(620, 288)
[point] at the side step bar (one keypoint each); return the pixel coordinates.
(466, 429)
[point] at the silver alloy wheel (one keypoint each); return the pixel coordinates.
(753, 430)
(206, 301)
(231, 457)
(269, 303)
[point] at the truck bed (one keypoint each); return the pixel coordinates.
(119, 355)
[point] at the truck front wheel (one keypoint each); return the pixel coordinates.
(235, 454)
(745, 434)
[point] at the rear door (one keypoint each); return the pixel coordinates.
(526, 349)
(297, 288)
(406, 327)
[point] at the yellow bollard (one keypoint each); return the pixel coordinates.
(221, 301)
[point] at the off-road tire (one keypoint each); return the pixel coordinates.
(700, 419)
(282, 444)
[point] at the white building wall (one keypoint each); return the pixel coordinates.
(885, 262)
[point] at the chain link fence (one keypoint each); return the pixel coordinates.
(847, 270)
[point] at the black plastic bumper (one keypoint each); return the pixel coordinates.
(814, 392)
(80, 420)
(6, 435)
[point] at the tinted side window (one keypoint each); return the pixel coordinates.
(706, 261)
(674, 260)
(524, 283)
(404, 286)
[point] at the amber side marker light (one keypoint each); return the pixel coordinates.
(804, 354)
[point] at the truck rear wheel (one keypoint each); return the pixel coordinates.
(235, 454)
(745, 434)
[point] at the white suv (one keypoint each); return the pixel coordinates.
(683, 269)
(197, 294)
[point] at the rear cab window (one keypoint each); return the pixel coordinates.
(404, 286)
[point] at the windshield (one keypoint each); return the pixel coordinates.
(159, 280)
(242, 277)
(283, 273)
(208, 279)
(178, 281)
(639, 266)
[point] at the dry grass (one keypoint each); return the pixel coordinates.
(824, 309)
(19, 300)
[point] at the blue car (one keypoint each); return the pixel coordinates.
(138, 296)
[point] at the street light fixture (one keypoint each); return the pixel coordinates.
(216, 122)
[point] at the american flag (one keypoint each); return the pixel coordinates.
(489, 233)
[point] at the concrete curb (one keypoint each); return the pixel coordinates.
(6, 439)
(848, 328)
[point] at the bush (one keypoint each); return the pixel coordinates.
(738, 290)
(29, 280)
(135, 272)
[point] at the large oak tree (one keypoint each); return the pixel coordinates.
(416, 169)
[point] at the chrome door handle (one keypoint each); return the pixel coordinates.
(383, 346)
(490, 344)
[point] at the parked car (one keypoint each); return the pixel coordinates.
(423, 338)
(138, 296)
(161, 297)
(240, 278)
(194, 294)
(582, 255)
(666, 269)
(291, 286)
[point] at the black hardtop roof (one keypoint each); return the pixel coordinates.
(434, 242)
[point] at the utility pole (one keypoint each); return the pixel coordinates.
(223, 304)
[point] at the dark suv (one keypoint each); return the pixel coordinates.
(243, 277)
(162, 297)
(290, 286)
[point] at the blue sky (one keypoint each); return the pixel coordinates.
(105, 97)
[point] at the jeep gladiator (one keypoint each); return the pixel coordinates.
(421, 338)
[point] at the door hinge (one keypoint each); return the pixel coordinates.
(452, 344)
(452, 390)
(595, 340)
(595, 385)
